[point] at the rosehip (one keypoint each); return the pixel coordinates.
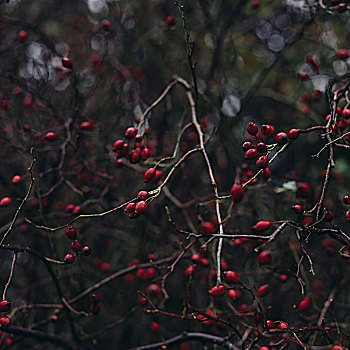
(262, 226)
(263, 291)
(252, 129)
(293, 134)
(207, 228)
(303, 190)
(262, 162)
(16, 179)
(265, 257)
(283, 325)
(231, 277)
(95, 308)
(86, 250)
(155, 328)
(94, 298)
(343, 54)
(234, 294)
(153, 291)
(190, 271)
(130, 133)
(75, 245)
(304, 305)
(251, 154)
(71, 233)
(237, 192)
(217, 291)
(267, 130)
(5, 306)
(266, 174)
(281, 138)
(51, 136)
(130, 208)
(5, 202)
(261, 147)
(298, 209)
(143, 195)
(140, 207)
(69, 259)
(247, 145)
(5, 321)
(149, 174)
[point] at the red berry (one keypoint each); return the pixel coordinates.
(69, 208)
(8, 342)
(51, 136)
(252, 129)
(251, 154)
(155, 328)
(247, 145)
(77, 210)
(145, 153)
(75, 245)
(264, 348)
(5, 321)
(119, 163)
(298, 209)
(157, 177)
(237, 192)
(86, 250)
(149, 174)
(234, 294)
(153, 291)
(303, 190)
(95, 308)
(304, 305)
(217, 291)
(138, 138)
(231, 277)
(313, 63)
(5, 202)
(143, 195)
(140, 207)
(130, 133)
(190, 271)
(293, 134)
(266, 174)
(263, 291)
(130, 208)
(281, 138)
(262, 162)
(346, 200)
(135, 155)
(283, 325)
(262, 226)
(22, 36)
(270, 324)
(283, 278)
(195, 258)
(265, 257)
(207, 228)
(94, 298)
(5, 306)
(118, 145)
(16, 179)
(105, 267)
(105, 25)
(347, 215)
(343, 54)
(261, 147)
(86, 125)
(337, 347)
(71, 233)
(255, 4)
(170, 21)
(142, 302)
(267, 130)
(67, 63)
(346, 113)
(69, 259)
(204, 262)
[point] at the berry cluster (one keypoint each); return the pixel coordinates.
(85, 250)
(132, 145)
